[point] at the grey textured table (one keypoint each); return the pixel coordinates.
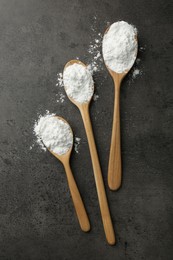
(37, 219)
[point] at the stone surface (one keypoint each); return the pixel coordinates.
(37, 218)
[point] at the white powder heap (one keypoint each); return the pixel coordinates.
(120, 46)
(78, 83)
(55, 133)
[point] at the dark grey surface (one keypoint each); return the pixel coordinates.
(37, 219)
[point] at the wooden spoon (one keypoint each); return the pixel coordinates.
(104, 208)
(77, 200)
(114, 167)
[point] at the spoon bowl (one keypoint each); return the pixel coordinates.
(114, 167)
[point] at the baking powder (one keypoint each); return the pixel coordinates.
(120, 46)
(78, 83)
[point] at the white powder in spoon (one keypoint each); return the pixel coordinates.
(78, 82)
(120, 46)
(55, 133)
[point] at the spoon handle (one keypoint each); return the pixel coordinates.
(114, 167)
(77, 200)
(104, 208)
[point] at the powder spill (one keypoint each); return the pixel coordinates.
(136, 72)
(59, 80)
(120, 46)
(54, 132)
(31, 146)
(92, 67)
(138, 61)
(142, 49)
(95, 97)
(78, 83)
(61, 98)
(95, 62)
(60, 85)
(77, 141)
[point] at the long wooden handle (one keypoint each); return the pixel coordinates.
(114, 168)
(106, 218)
(78, 203)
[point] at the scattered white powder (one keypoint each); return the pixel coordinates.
(61, 97)
(31, 146)
(95, 60)
(55, 133)
(78, 83)
(120, 46)
(135, 73)
(92, 67)
(59, 80)
(97, 56)
(77, 141)
(138, 61)
(95, 97)
(59, 84)
(142, 48)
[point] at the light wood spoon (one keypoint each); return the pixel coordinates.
(114, 167)
(104, 208)
(77, 200)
